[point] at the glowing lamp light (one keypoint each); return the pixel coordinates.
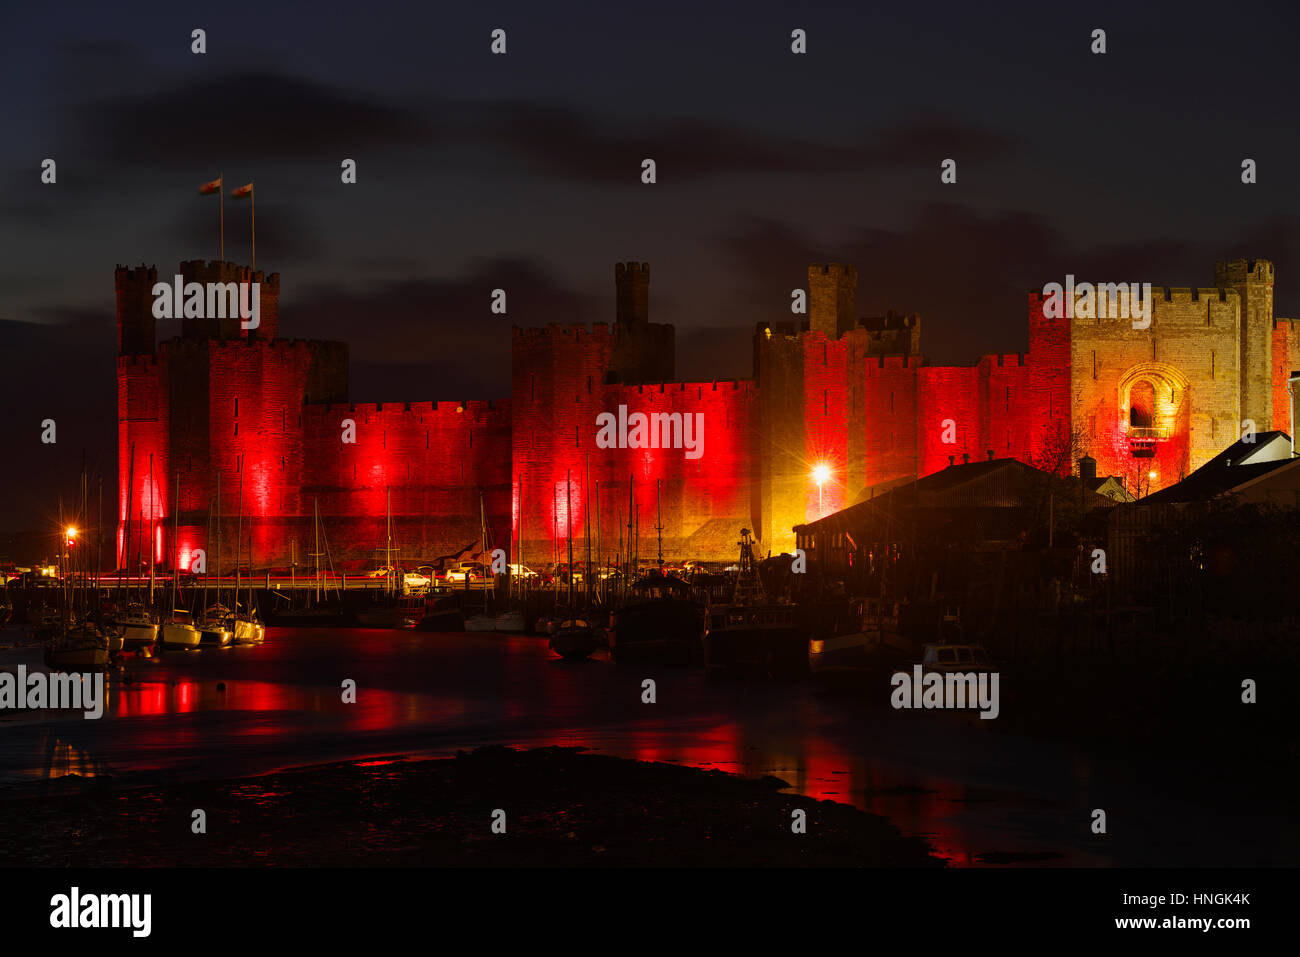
(72, 532)
(1151, 476)
(821, 473)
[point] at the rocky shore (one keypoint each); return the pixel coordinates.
(562, 807)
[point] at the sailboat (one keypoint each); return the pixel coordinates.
(483, 621)
(213, 626)
(512, 618)
(77, 643)
(575, 637)
(315, 613)
(178, 629)
(395, 609)
(134, 625)
(243, 625)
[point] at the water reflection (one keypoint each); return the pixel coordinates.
(244, 711)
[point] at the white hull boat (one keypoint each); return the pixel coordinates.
(510, 621)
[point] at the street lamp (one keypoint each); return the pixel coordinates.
(821, 474)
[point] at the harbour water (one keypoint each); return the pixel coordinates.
(979, 794)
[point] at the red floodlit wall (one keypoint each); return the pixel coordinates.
(1047, 389)
(947, 409)
(1286, 359)
(826, 415)
(889, 393)
(1006, 418)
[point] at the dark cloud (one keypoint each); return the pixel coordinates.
(572, 144)
(434, 339)
(285, 234)
(246, 117)
(967, 273)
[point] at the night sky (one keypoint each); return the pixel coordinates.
(523, 171)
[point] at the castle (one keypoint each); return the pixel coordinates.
(839, 408)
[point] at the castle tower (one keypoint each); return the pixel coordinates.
(643, 351)
(1253, 280)
(230, 327)
(632, 284)
(135, 321)
(831, 289)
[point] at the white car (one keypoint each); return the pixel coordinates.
(522, 571)
(415, 580)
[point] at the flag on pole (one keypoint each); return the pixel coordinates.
(207, 189)
(240, 193)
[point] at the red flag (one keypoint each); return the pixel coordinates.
(207, 189)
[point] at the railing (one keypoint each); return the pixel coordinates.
(1134, 432)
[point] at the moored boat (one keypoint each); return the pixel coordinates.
(574, 638)
(137, 627)
(214, 627)
(662, 620)
(77, 647)
(179, 631)
(512, 621)
(752, 631)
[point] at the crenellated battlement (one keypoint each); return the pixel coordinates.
(200, 270)
(449, 408)
(137, 365)
(555, 331)
(892, 363)
(1185, 294)
(1002, 359)
(1237, 271)
(631, 271)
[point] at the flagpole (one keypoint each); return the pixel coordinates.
(221, 188)
(252, 199)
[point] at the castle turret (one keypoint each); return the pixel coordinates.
(230, 326)
(135, 321)
(632, 283)
(643, 351)
(831, 288)
(1253, 280)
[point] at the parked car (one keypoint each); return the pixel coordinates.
(467, 571)
(522, 571)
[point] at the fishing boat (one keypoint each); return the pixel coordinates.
(574, 638)
(946, 658)
(871, 642)
(753, 631)
(661, 619)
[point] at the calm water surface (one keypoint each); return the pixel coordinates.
(978, 795)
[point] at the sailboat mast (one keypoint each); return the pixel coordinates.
(176, 540)
(315, 515)
(218, 536)
(586, 502)
(568, 528)
(239, 533)
(124, 555)
(598, 558)
(152, 513)
(659, 520)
